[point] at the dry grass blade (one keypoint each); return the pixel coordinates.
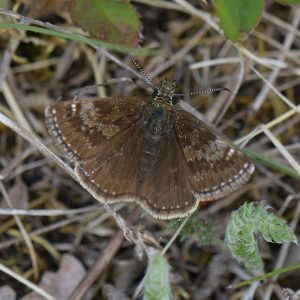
(48, 58)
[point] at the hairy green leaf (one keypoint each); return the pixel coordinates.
(249, 220)
(157, 283)
(203, 230)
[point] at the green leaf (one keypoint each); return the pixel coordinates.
(249, 220)
(113, 21)
(78, 38)
(238, 16)
(271, 163)
(203, 230)
(157, 283)
(3, 4)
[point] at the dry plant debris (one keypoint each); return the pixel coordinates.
(53, 233)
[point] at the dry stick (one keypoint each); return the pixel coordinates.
(64, 62)
(161, 4)
(222, 106)
(263, 140)
(6, 59)
(206, 17)
(15, 107)
(26, 282)
(272, 42)
(181, 53)
(23, 232)
(287, 45)
(278, 22)
(34, 141)
(259, 130)
(100, 264)
(46, 229)
(282, 149)
(103, 259)
(6, 171)
(4, 87)
(48, 212)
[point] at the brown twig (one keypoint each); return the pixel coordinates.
(103, 259)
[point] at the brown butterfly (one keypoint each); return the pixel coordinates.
(146, 150)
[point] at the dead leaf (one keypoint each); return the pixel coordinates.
(18, 196)
(62, 283)
(7, 293)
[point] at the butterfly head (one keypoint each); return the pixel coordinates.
(165, 91)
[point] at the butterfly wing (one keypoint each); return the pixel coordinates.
(215, 168)
(84, 128)
(114, 162)
(98, 136)
(164, 190)
(113, 172)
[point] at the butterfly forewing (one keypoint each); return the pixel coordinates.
(215, 168)
(84, 128)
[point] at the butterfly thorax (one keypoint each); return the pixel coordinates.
(158, 115)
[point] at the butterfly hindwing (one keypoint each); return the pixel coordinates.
(215, 167)
(165, 191)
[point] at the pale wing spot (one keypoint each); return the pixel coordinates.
(86, 107)
(189, 153)
(109, 130)
(230, 153)
(73, 107)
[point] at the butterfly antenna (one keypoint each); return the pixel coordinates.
(149, 81)
(213, 90)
